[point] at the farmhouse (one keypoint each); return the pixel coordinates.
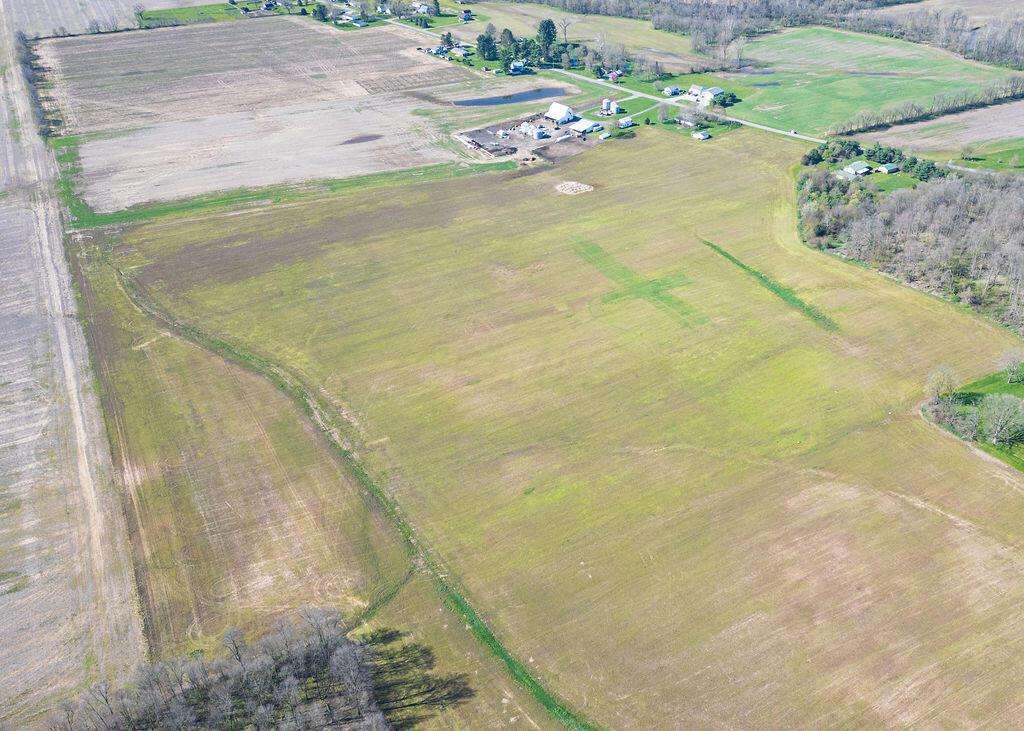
(705, 96)
(517, 67)
(466, 15)
(459, 52)
(559, 113)
(670, 90)
(585, 126)
(625, 122)
(888, 168)
(857, 168)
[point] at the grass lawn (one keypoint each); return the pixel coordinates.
(891, 182)
(821, 77)
(1012, 454)
(1002, 155)
(618, 421)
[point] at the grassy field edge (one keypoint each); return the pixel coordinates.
(320, 413)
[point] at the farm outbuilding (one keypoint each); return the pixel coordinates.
(625, 122)
(670, 90)
(559, 113)
(857, 168)
(701, 135)
(586, 126)
(888, 168)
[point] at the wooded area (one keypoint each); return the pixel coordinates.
(306, 674)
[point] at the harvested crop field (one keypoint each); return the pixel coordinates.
(979, 11)
(987, 126)
(40, 18)
(672, 455)
(175, 112)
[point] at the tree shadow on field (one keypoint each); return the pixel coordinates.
(406, 689)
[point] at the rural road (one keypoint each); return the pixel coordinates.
(654, 97)
(70, 609)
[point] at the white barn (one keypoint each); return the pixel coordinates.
(559, 113)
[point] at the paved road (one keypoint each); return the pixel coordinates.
(70, 611)
(686, 105)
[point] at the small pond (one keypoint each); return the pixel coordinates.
(544, 92)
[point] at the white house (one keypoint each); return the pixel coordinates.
(625, 122)
(702, 135)
(705, 96)
(517, 67)
(670, 90)
(586, 126)
(708, 96)
(559, 113)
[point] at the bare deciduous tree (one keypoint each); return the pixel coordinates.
(1002, 417)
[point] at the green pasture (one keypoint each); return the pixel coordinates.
(827, 76)
(637, 453)
(1005, 155)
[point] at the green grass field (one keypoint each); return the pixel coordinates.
(668, 488)
(240, 513)
(1002, 155)
(822, 77)
(214, 13)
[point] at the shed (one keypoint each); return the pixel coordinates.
(857, 168)
(702, 135)
(559, 113)
(670, 90)
(888, 168)
(625, 122)
(585, 126)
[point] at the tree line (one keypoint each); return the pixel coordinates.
(959, 237)
(717, 25)
(305, 674)
(948, 103)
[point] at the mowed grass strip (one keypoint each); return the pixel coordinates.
(633, 286)
(784, 293)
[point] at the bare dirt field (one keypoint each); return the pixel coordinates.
(38, 18)
(979, 11)
(176, 112)
(67, 602)
(978, 126)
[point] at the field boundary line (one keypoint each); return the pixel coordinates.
(320, 413)
(781, 291)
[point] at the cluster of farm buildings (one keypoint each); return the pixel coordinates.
(860, 168)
